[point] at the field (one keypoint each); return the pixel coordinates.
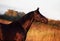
(44, 32)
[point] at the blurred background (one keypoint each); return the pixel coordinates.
(49, 8)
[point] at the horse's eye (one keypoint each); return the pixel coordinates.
(42, 19)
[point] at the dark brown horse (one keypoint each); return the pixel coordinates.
(17, 30)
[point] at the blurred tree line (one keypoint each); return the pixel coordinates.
(12, 15)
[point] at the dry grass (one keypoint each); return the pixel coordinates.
(44, 32)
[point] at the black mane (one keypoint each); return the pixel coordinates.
(26, 17)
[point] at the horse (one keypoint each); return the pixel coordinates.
(17, 30)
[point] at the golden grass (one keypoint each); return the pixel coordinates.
(44, 32)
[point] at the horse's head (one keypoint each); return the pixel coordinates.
(39, 17)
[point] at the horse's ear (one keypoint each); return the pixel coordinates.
(37, 9)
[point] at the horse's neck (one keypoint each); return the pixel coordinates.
(26, 21)
(26, 25)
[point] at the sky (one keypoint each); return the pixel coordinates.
(48, 8)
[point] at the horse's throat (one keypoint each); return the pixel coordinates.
(27, 24)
